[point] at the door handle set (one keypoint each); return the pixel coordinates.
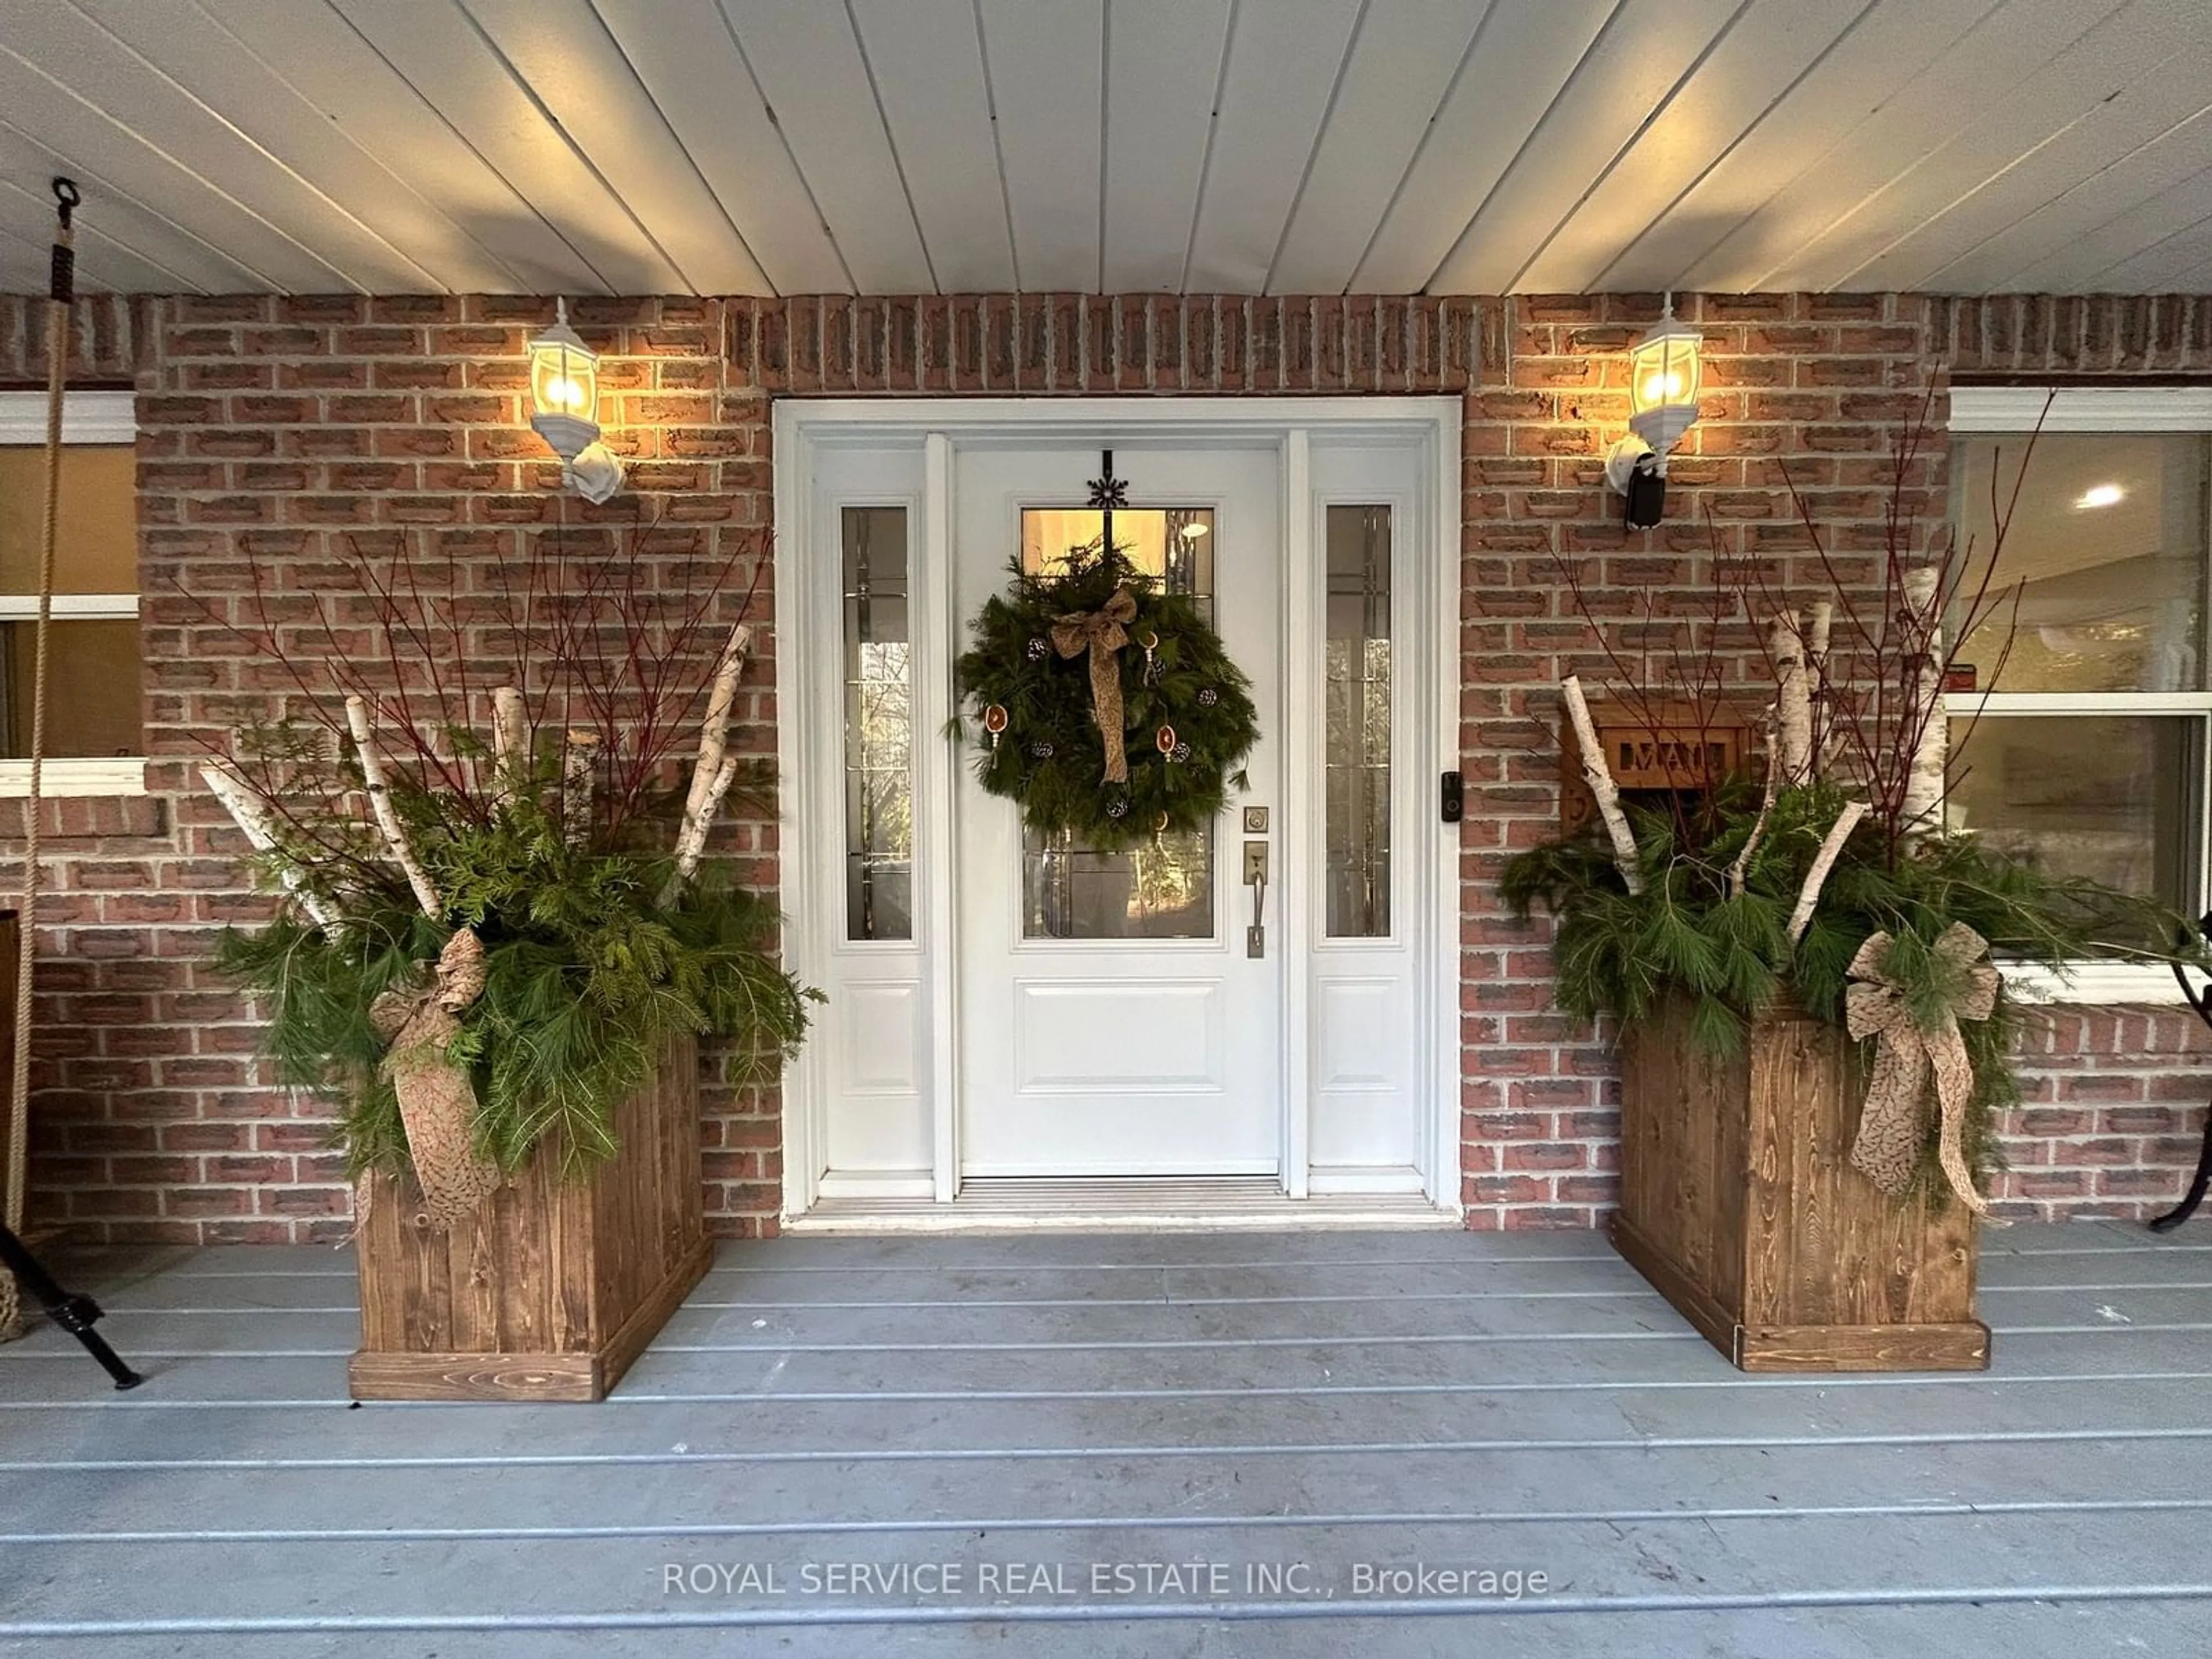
(1256, 877)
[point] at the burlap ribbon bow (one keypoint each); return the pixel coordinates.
(1891, 1124)
(436, 1098)
(1102, 633)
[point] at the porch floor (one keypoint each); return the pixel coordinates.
(1249, 1401)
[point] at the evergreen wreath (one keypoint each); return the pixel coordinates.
(1187, 720)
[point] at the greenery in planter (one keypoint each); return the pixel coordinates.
(590, 973)
(1826, 877)
(483, 949)
(1689, 933)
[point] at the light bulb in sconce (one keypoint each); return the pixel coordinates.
(566, 396)
(2103, 495)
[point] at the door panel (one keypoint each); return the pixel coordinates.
(1111, 1021)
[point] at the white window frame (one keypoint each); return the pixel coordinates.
(1982, 410)
(88, 418)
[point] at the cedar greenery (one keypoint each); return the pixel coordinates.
(596, 960)
(1621, 955)
(1051, 758)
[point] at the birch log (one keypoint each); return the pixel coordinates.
(1817, 878)
(250, 809)
(1929, 733)
(1602, 788)
(379, 805)
(1793, 702)
(1738, 869)
(510, 746)
(580, 764)
(1819, 624)
(715, 729)
(691, 844)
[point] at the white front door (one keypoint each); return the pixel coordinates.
(1000, 1006)
(1117, 1015)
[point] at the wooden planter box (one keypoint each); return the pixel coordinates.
(556, 1287)
(1738, 1204)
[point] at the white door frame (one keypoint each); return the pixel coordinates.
(807, 625)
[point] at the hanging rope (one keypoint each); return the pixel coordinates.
(61, 295)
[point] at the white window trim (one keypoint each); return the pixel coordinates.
(1986, 409)
(114, 774)
(88, 418)
(69, 607)
(2081, 408)
(2100, 983)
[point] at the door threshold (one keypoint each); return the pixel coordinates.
(1118, 1203)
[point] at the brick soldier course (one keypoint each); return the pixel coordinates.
(301, 434)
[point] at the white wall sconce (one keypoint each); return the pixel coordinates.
(1664, 367)
(564, 406)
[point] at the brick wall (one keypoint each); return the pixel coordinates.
(298, 433)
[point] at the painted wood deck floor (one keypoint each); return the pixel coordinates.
(1239, 1432)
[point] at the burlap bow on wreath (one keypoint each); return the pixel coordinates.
(1102, 633)
(436, 1096)
(1893, 1121)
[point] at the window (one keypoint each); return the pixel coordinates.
(1356, 757)
(878, 727)
(2089, 731)
(94, 739)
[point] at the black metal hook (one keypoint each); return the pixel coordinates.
(68, 198)
(74, 1314)
(2199, 998)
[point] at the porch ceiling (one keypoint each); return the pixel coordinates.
(1284, 146)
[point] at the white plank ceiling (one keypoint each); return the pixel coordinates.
(1279, 146)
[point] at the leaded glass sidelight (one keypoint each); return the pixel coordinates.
(878, 727)
(1162, 890)
(1356, 760)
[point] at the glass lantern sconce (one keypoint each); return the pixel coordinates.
(564, 406)
(1663, 370)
